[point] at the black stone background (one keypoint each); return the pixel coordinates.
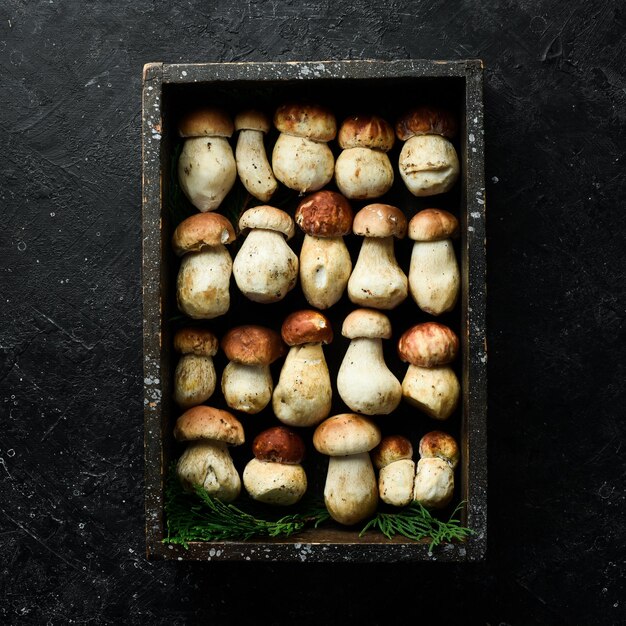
(71, 430)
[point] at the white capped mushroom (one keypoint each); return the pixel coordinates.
(392, 457)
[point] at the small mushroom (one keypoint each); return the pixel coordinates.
(428, 161)
(194, 377)
(247, 381)
(275, 475)
(301, 158)
(393, 458)
(434, 276)
(206, 461)
(266, 268)
(364, 381)
(206, 167)
(203, 283)
(303, 395)
(430, 384)
(253, 165)
(363, 169)
(434, 479)
(377, 280)
(350, 490)
(325, 263)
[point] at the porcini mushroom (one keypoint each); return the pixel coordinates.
(350, 490)
(434, 276)
(266, 268)
(275, 474)
(253, 165)
(434, 478)
(206, 460)
(206, 166)
(377, 280)
(246, 380)
(303, 395)
(301, 158)
(393, 458)
(430, 384)
(363, 169)
(364, 381)
(325, 263)
(203, 283)
(194, 377)
(428, 161)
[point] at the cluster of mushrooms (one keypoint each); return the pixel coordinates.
(364, 467)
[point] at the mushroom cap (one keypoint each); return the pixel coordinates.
(428, 344)
(366, 323)
(366, 131)
(391, 448)
(252, 345)
(278, 445)
(307, 326)
(252, 120)
(433, 225)
(206, 122)
(325, 214)
(426, 120)
(379, 220)
(198, 341)
(441, 445)
(346, 434)
(312, 121)
(268, 218)
(207, 423)
(200, 231)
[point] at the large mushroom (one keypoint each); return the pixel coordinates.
(428, 160)
(206, 461)
(246, 380)
(430, 383)
(364, 381)
(434, 276)
(393, 458)
(363, 169)
(275, 474)
(350, 490)
(377, 280)
(266, 268)
(203, 282)
(194, 377)
(253, 167)
(325, 263)
(303, 395)
(301, 158)
(206, 167)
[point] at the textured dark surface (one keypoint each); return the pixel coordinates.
(71, 438)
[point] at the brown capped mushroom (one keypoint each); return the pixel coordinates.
(253, 165)
(430, 384)
(350, 491)
(393, 458)
(428, 161)
(363, 169)
(194, 377)
(377, 280)
(275, 474)
(203, 283)
(364, 381)
(266, 268)
(206, 167)
(301, 158)
(434, 276)
(434, 479)
(247, 381)
(206, 461)
(303, 394)
(325, 263)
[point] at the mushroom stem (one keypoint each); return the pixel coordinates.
(377, 280)
(253, 166)
(247, 388)
(194, 380)
(433, 390)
